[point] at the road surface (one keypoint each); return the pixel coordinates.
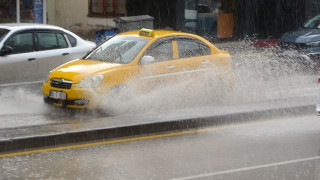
(283, 148)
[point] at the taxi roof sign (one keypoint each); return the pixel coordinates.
(146, 32)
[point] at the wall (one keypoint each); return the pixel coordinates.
(72, 15)
(163, 11)
(261, 19)
(312, 8)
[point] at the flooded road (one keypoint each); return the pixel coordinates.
(285, 148)
(23, 106)
(282, 148)
(260, 76)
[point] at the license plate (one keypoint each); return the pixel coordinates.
(58, 95)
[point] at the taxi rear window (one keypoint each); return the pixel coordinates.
(72, 40)
(119, 49)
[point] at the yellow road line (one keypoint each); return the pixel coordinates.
(103, 143)
(123, 140)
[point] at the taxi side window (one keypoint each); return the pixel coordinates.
(190, 47)
(21, 43)
(160, 50)
(72, 40)
(51, 40)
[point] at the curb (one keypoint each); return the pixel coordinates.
(60, 139)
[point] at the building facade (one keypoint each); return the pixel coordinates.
(214, 19)
(25, 11)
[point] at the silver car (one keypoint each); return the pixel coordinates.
(29, 51)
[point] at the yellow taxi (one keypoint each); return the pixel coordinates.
(145, 57)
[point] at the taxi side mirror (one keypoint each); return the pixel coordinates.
(147, 60)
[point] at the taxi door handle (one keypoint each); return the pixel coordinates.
(206, 62)
(31, 59)
(170, 67)
(65, 54)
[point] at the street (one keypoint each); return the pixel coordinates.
(273, 147)
(152, 90)
(282, 148)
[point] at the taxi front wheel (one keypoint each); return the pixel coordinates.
(117, 100)
(118, 94)
(216, 89)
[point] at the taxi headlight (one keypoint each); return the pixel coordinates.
(91, 82)
(48, 76)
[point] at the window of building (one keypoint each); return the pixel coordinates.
(107, 8)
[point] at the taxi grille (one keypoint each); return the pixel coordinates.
(61, 83)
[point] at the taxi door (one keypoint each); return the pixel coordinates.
(53, 50)
(162, 71)
(195, 62)
(18, 65)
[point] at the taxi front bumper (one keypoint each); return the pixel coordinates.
(76, 97)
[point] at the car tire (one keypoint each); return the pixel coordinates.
(116, 100)
(216, 90)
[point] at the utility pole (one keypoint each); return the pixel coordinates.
(18, 11)
(44, 12)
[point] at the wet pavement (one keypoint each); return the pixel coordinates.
(76, 131)
(264, 85)
(276, 148)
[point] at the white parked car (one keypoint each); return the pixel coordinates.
(29, 51)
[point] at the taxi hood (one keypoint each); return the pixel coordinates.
(79, 69)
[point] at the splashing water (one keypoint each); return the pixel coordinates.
(260, 75)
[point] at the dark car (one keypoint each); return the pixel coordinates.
(303, 42)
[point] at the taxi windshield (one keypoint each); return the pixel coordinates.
(119, 49)
(3, 32)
